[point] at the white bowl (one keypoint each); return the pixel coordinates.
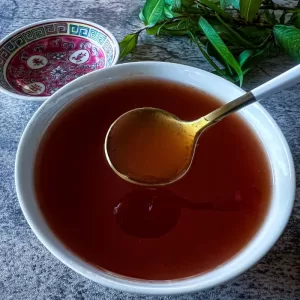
(259, 120)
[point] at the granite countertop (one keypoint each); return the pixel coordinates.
(28, 270)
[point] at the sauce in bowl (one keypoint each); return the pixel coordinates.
(78, 192)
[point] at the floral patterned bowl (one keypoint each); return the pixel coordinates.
(39, 59)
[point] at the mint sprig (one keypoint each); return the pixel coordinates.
(233, 35)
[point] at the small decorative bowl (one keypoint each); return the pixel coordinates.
(39, 59)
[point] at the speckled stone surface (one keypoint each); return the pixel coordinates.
(28, 270)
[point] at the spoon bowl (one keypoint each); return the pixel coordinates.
(169, 146)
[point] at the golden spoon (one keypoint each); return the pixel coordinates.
(150, 146)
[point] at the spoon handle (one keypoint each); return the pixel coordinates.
(229, 108)
(283, 81)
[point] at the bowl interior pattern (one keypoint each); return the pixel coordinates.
(39, 60)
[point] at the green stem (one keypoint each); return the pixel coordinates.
(273, 7)
(265, 41)
(235, 34)
(215, 8)
(142, 29)
(205, 54)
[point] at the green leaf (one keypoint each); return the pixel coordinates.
(270, 18)
(295, 20)
(239, 40)
(217, 9)
(254, 32)
(168, 13)
(249, 8)
(223, 33)
(211, 62)
(141, 16)
(220, 46)
(259, 35)
(236, 4)
(173, 3)
(244, 56)
(250, 57)
(153, 11)
(258, 56)
(226, 3)
(288, 38)
(128, 44)
(211, 50)
(195, 10)
(176, 28)
(187, 3)
(155, 30)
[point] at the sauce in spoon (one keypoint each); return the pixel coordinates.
(150, 146)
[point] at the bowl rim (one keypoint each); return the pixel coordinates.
(167, 287)
(15, 32)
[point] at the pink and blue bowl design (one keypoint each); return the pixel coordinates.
(39, 59)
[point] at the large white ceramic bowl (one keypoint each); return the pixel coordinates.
(255, 115)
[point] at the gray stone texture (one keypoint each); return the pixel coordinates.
(28, 270)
